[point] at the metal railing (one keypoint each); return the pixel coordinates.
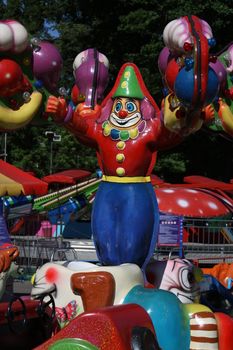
(207, 240)
(202, 239)
(208, 232)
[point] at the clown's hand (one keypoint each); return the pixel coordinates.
(8, 253)
(57, 108)
(208, 114)
(84, 111)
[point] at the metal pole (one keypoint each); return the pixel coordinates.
(5, 146)
(51, 157)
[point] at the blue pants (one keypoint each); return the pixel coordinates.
(125, 220)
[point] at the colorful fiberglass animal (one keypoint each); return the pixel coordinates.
(127, 129)
(98, 291)
(80, 286)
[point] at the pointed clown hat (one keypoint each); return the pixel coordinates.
(129, 83)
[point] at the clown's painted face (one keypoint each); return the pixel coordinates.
(125, 112)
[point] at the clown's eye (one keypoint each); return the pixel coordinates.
(118, 107)
(186, 278)
(131, 107)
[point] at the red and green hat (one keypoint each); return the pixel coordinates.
(129, 83)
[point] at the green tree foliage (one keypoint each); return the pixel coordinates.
(35, 152)
(123, 31)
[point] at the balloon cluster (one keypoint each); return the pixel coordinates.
(29, 71)
(177, 60)
(194, 76)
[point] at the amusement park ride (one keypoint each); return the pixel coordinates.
(127, 300)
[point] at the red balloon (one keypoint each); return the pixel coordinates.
(11, 77)
(171, 73)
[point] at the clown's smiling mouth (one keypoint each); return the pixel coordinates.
(132, 120)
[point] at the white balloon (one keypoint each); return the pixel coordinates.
(20, 36)
(166, 31)
(6, 37)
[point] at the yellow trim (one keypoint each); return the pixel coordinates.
(194, 308)
(9, 187)
(126, 179)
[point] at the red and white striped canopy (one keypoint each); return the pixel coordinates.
(14, 182)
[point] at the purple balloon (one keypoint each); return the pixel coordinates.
(47, 65)
(163, 60)
(220, 71)
(91, 75)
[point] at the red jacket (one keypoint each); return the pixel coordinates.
(135, 157)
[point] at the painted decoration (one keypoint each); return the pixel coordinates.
(203, 327)
(179, 276)
(69, 284)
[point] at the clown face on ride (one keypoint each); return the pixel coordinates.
(125, 112)
(129, 105)
(181, 277)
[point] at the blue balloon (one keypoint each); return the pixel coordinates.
(184, 86)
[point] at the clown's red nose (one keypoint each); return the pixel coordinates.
(122, 113)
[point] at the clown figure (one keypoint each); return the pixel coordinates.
(126, 131)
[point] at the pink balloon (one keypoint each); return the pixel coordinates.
(47, 65)
(221, 72)
(163, 60)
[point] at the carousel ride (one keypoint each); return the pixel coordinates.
(127, 300)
